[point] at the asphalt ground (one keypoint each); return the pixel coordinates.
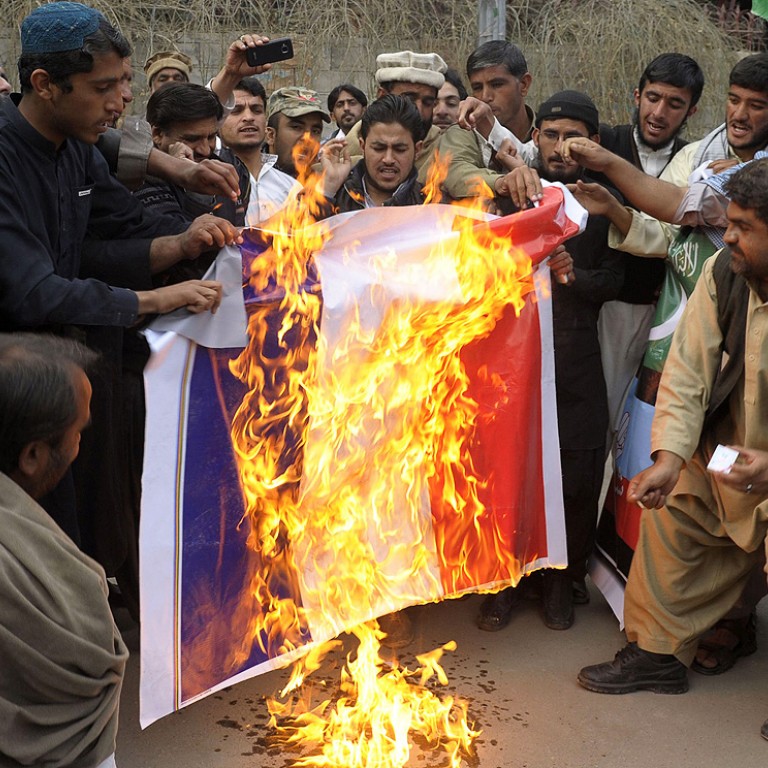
(520, 684)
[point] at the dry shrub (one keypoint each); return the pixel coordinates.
(602, 46)
(599, 46)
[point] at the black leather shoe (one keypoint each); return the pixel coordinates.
(496, 610)
(636, 670)
(557, 599)
(764, 730)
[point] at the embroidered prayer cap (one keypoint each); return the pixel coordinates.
(410, 67)
(294, 102)
(572, 105)
(166, 60)
(58, 27)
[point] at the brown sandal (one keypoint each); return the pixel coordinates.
(727, 642)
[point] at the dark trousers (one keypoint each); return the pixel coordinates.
(582, 480)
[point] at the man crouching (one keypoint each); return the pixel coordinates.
(63, 657)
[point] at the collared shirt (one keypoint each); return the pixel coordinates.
(50, 199)
(369, 202)
(353, 196)
(527, 150)
(337, 134)
(270, 192)
(653, 161)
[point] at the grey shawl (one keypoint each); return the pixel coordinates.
(61, 656)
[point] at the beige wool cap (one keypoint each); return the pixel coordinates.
(163, 59)
(410, 67)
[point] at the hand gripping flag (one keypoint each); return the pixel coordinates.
(398, 448)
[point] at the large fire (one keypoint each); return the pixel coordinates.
(338, 466)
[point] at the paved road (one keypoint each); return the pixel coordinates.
(522, 692)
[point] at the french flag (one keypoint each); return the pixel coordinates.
(417, 538)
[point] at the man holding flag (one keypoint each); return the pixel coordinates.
(582, 406)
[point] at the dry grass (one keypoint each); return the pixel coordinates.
(599, 46)
(602, 46)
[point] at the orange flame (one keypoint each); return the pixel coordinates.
(375, 712)
(338, 520)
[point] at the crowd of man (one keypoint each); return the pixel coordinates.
(107, 221)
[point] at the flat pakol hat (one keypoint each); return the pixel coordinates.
(58, 27)
(410, 67)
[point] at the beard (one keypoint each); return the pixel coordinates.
(654, 145)
(758, 141)
(566, 176)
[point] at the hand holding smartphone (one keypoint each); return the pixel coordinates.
(268, 53)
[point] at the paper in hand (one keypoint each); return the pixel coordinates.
(722, 459)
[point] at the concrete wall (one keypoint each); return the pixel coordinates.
(319, 65)
(322, 65)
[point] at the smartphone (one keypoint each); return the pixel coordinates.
(275, 50)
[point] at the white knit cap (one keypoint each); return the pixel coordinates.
(410, 67)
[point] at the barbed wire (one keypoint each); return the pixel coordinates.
(598, 46)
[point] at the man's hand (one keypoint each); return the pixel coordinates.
(336, 165)
(587, 153)
(598, 201)
(561, 266)
(749, 472)
(181, 151)
(195, 295)
(207, 232)
(718, 166)
(506, 156)
(236, 62)
(522, 184)
(594, 197)
(476, 115)
(651, 487)
(236, 66)
(209, 177)
(204, 233)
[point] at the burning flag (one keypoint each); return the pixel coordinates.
(391, 443)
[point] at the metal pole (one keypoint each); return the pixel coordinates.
(491, 20)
